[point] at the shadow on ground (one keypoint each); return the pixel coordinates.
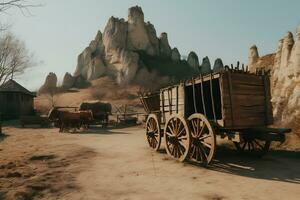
(277, 165)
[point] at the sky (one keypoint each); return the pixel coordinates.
(59, 30)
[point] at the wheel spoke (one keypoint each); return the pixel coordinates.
(181, 131)
(206, 144)
(204, 137)
(262, 147)
(169, 134)
(245, 143)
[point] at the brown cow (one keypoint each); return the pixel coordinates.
(67, 119)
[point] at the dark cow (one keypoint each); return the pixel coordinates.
(66, 119)
(100, 110)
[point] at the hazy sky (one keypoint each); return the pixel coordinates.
(60, 29)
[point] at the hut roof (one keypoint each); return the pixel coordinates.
(13, 86)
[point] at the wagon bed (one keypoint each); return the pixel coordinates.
(230, 103)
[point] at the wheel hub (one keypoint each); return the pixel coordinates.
(196, 142)
(173, 140)
(150, 134)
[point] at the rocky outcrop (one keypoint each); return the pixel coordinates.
(141, 36)
(164, 47)
(124, 48)
(218, 66)
(253, 58)
(285, 78)
(50, 84)
(205, 66)
(175, 55)
(193, 60)
(68, 81)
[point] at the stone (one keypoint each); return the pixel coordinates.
(193, 60)
(154, 41)
(295, 55)
(96, 68)
(205, 66)
(287, 46)
(114, 35)
(50, 84)
(218, 66)
(83, 62)
(137, 31)
(164, 47)
(175, 55)
(253, 58)
(68, 81)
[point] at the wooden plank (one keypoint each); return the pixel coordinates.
(202, 95)
(246, 78)
(212, 98)
(244, 100)
(245, 109)
(194, 96)
(230, 97)
(169, 100)
(177, 100)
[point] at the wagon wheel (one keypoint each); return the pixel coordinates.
(252, 146)
(203, 139)
(153, 132)
(177, 137)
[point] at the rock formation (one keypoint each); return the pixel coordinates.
(253, 58)
(193, 60)
(205, 66)
(164, 47)
(126, 47)
(115, 52)
(50, 84)
(285, 78)
(175, 55)
(218, 65)
(68, 81)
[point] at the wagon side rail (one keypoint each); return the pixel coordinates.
(268, 134)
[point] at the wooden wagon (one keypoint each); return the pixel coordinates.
(229, 103)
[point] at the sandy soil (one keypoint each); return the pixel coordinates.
(117, 164)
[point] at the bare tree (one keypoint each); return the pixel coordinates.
(23, 5)
(53, 95)
(14, 57)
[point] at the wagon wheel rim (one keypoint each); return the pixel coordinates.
(153, 133)
(252, 146)
(203, 139)
(177, 138)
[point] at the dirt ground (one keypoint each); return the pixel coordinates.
(117, 164)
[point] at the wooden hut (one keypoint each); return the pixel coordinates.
(15, 100)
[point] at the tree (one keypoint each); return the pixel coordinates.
(14, 57)
(23, 5)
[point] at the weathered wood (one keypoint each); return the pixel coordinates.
(202, 95)
(194, 97)
(230, 98)
(212, 98)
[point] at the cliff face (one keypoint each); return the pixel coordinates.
(117, 52)
(285, 77)
(131, 52)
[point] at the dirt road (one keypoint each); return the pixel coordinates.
(117, 164)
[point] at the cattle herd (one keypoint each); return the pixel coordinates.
(88, 113)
